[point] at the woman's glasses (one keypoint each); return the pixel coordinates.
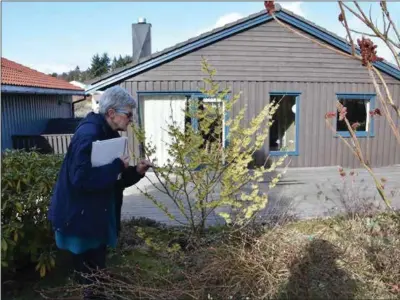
(129, 115)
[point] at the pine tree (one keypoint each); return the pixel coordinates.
(74, 74)
(120, 62)
(100, 65)
(114, 64)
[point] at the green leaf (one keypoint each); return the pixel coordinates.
(4, 245)
(226, 217)
(42, 270)
(29, 176)
(52, 262)
(19, 207)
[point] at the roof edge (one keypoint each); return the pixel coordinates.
(207, 39)
(333, 40)
(16, 89)
(230, 29)
(174, 47)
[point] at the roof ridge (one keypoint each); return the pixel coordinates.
(15, 63)
(17, 74)
(179, 45)
(26, 67)
(335, 35)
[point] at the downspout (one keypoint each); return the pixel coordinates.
(78, 101)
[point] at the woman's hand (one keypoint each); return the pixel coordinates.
(143, 166)
(125, 159)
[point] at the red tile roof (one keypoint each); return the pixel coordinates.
(13, 73)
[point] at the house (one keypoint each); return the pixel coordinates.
(81, 105)
(89, 103)
(84, 105)
(265, 61)
(29, 100)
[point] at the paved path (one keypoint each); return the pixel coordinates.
(303, 192)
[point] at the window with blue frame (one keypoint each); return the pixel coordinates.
(159, 103)
(358, 114)
(211, 109)
(284, 132)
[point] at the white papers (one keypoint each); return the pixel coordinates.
(104, 152)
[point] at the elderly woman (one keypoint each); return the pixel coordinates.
(86, 204)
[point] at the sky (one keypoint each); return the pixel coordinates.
(58, 36)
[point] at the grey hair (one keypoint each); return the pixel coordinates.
(115, 97)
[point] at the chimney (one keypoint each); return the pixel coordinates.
(141, 39)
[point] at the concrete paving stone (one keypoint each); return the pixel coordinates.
(302, 192)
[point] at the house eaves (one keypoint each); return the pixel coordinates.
(16, 89)
(215, 35)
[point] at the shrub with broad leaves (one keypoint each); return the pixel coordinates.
(26, 184)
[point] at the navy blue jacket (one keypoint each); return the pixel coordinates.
(82, 194)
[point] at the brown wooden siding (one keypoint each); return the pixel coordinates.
(317, 144)
(268, 52)
(270, 58)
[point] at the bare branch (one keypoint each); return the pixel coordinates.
(354, 13)
(355, 56)
(388, 94)
(385, 28)
(358, 153)
(370, 16)
(363, 33)
(385, 107)
(167, 191)
(389, 43)
(385, 10)
(387, 35)
(366, 20)
(397, 58)
(353, 51)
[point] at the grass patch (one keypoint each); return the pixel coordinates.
(336, 258)
(26, 283)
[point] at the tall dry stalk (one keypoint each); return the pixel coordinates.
(367, 55)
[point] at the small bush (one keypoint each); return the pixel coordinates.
(337, 258)
(26, 184)
(207, 172)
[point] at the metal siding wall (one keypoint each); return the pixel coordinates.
(27, 114)
(317, 144)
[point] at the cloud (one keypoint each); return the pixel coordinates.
(295, 7)
(223, 20)
(51, 68)
(229, 18)
(357, 25)
(382, 49)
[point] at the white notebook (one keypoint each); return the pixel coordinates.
(104, 152)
